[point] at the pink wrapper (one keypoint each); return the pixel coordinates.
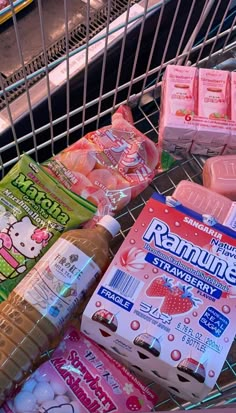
(81, 378)
(110, 166)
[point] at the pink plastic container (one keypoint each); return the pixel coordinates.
(219, 175)
(202, 200)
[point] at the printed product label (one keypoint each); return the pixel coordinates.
(33, 214)
(166, 303)
(58, 281)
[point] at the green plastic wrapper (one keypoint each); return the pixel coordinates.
(34, 211)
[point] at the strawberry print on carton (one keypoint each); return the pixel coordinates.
(166, 303)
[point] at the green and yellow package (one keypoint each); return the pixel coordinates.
(34, 211)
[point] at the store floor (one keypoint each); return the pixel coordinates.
(30, 33)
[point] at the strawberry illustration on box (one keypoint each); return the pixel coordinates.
(165, 305)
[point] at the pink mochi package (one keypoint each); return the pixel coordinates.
(81, 378)
(109, 166)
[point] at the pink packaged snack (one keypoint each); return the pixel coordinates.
(110, 166)
(166, 303)
(202, 200)
(80, 378)
(219, 175)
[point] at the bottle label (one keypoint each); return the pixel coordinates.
(58, 282)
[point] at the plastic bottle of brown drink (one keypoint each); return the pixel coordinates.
(42, 303)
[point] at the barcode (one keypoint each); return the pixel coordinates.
(124, 284)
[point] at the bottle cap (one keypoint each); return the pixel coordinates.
(110, 223)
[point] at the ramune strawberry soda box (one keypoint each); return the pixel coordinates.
(166, 305)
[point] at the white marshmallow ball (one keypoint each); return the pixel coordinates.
(24, 402)
(43, 392)
(62, 399)
(58, 385)
(29, 385)
(47, 405)
(76, 406)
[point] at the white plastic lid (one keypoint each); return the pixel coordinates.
(110, 223)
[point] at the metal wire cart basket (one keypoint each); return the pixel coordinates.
(67, 65)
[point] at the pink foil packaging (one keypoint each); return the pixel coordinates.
(81, 378)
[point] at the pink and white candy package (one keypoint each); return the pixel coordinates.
(110, 166)
(81, 378)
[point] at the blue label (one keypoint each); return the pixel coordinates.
(115, 298)
(183, 275)
(214, 321)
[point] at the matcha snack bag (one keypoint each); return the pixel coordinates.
(34, 211)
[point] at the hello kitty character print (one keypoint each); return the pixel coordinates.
(20, 241)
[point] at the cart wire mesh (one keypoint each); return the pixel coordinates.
(117, 55)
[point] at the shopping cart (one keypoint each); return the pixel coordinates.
(105, 53)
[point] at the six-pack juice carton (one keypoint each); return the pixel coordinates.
(208, 127)
(166, 304)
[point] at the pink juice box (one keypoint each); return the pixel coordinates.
(233, 96)
(212, 128)
(179, 101)
(231, 146)
(213, 94)
(165, 305)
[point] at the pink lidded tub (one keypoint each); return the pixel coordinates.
(202, 200)
(219, 175)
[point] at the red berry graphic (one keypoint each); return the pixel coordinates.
(226, 309)
(175, 355)
(159, 287)
(171, 337)
(179, 301)
(135, 324)
(134, 404)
